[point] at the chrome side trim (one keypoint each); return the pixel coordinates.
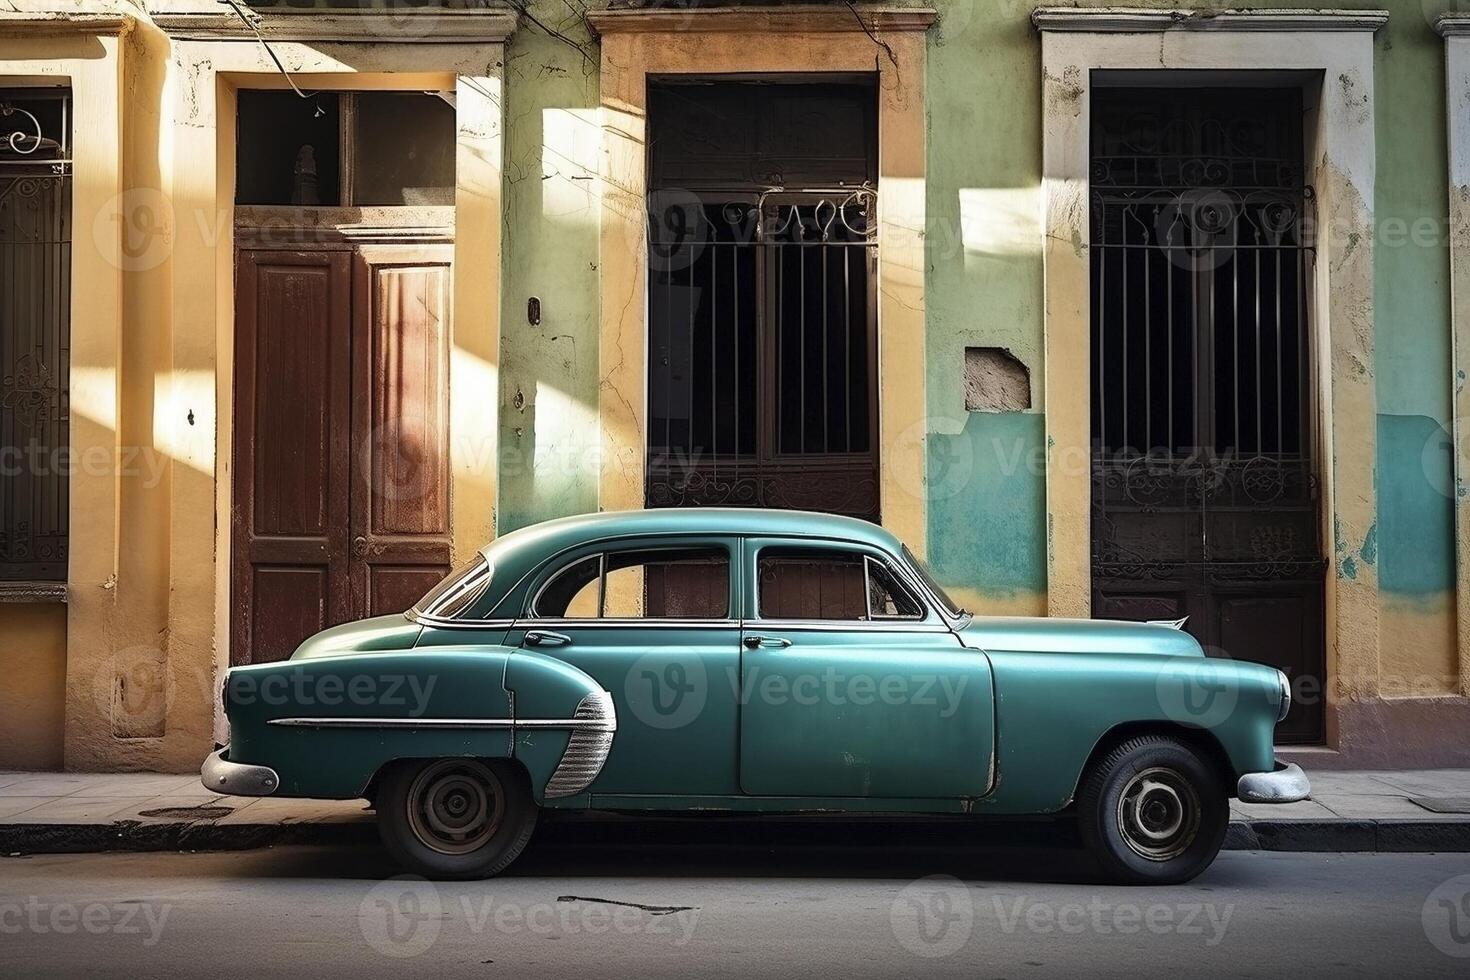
(220, 775)
(473, 723)
(1288, 784)
(587, 749)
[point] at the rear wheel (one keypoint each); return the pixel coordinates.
(455, 818)
(1153, 811)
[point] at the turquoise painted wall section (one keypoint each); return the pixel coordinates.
(988, 506)
(1415, 543)
(548, 376)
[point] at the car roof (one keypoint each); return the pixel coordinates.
(537, 541)
(515, 555)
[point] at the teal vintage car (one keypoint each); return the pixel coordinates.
(748, 660)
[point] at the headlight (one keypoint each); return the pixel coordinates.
(1285, 696)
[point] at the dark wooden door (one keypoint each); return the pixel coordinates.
(400, 419)
(292, 435)
(341, 484)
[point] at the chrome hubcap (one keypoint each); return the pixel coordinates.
(455, 806)
(1158, 814)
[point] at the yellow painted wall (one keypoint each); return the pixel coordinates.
(33, 695)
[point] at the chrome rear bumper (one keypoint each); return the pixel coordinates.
(237, 779)
(1288, 784)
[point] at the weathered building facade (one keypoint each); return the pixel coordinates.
(1138, 312)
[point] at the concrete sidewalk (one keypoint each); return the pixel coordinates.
(61, 812)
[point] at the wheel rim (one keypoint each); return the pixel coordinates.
(1158, 814)
(455, 806)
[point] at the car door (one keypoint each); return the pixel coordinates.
(851, 685)
(654, 623)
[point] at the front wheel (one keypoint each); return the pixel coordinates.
(455, 818)
(1153, 812)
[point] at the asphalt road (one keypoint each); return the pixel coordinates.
(733, 903)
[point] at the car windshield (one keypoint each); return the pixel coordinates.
(935, 587)
(458, 591)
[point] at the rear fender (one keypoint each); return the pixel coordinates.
(562, 759)
(327, 725)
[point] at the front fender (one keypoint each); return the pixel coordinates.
(1053, 709)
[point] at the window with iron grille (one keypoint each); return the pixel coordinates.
(35, 330)
(761, 295)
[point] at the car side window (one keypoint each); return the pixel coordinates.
(822, 584)
(663, 583)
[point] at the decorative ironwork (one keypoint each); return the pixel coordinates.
(29, 392)
(35, 315)
(1204, 487)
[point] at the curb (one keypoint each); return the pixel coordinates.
(1338, 836)
(1387, 836)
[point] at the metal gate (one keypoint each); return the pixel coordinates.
(1204, 475)
(35, 332)
(762, 307)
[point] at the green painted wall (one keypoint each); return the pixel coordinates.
(984, 288)
(548, 373)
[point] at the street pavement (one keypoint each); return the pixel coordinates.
(720, 900)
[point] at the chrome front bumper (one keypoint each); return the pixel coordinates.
(236, 779)
(1288, 784)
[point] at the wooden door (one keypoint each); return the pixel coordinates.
(401, 539)
(292, 430)
(341, 439)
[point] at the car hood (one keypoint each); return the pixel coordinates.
(377, 635)
(1045, 635)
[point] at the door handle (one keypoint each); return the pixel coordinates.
(546, 638)
(766, 643)
(360, 547)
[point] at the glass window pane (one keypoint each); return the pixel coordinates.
(290, 149)
(812, 584)
(403, 153)
(573, 594)
(886, 598)
(458, 590)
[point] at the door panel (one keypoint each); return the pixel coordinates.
(400, 480)
(290, 537)
(674, 688)
(864, 712)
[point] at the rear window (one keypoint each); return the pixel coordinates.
(459, 590)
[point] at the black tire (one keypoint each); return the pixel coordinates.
(1153, 811)
(455, 818)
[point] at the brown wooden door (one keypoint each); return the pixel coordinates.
(400, 424)
(292, 406)
(341, 439)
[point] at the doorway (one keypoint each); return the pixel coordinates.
(343, 295)
(1205, 493)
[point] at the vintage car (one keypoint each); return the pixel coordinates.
(710, 660)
